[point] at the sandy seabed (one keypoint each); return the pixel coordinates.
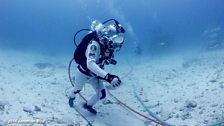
(183, 90)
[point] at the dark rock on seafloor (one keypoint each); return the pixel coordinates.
(37, 109)
(28, 110)
(190, 104)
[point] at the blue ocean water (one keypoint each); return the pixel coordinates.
(153, 26)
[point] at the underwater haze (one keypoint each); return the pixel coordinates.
(169, 71)
(153, 26)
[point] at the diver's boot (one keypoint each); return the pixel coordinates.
(90, 108)
(72, 98)
(71, 101)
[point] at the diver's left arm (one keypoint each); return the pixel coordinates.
(92, 55)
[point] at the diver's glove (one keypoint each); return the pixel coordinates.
(113, 80)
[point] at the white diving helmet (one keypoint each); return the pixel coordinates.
(114, 37)
(111, 34)
(97, 26)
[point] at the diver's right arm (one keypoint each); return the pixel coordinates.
(92, 55)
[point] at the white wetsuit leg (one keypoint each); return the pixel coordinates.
(99, 88)
(80, 80)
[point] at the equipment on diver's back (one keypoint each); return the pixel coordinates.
(79, 54)
(77, 34)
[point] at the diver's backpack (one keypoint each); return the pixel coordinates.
(79, 54)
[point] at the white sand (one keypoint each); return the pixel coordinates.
(164, 85)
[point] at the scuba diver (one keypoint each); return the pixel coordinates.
(94, 51)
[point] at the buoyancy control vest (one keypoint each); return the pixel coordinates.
(79, 54)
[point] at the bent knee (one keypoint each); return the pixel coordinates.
(103, 94)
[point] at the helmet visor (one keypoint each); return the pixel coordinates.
(118, 39)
